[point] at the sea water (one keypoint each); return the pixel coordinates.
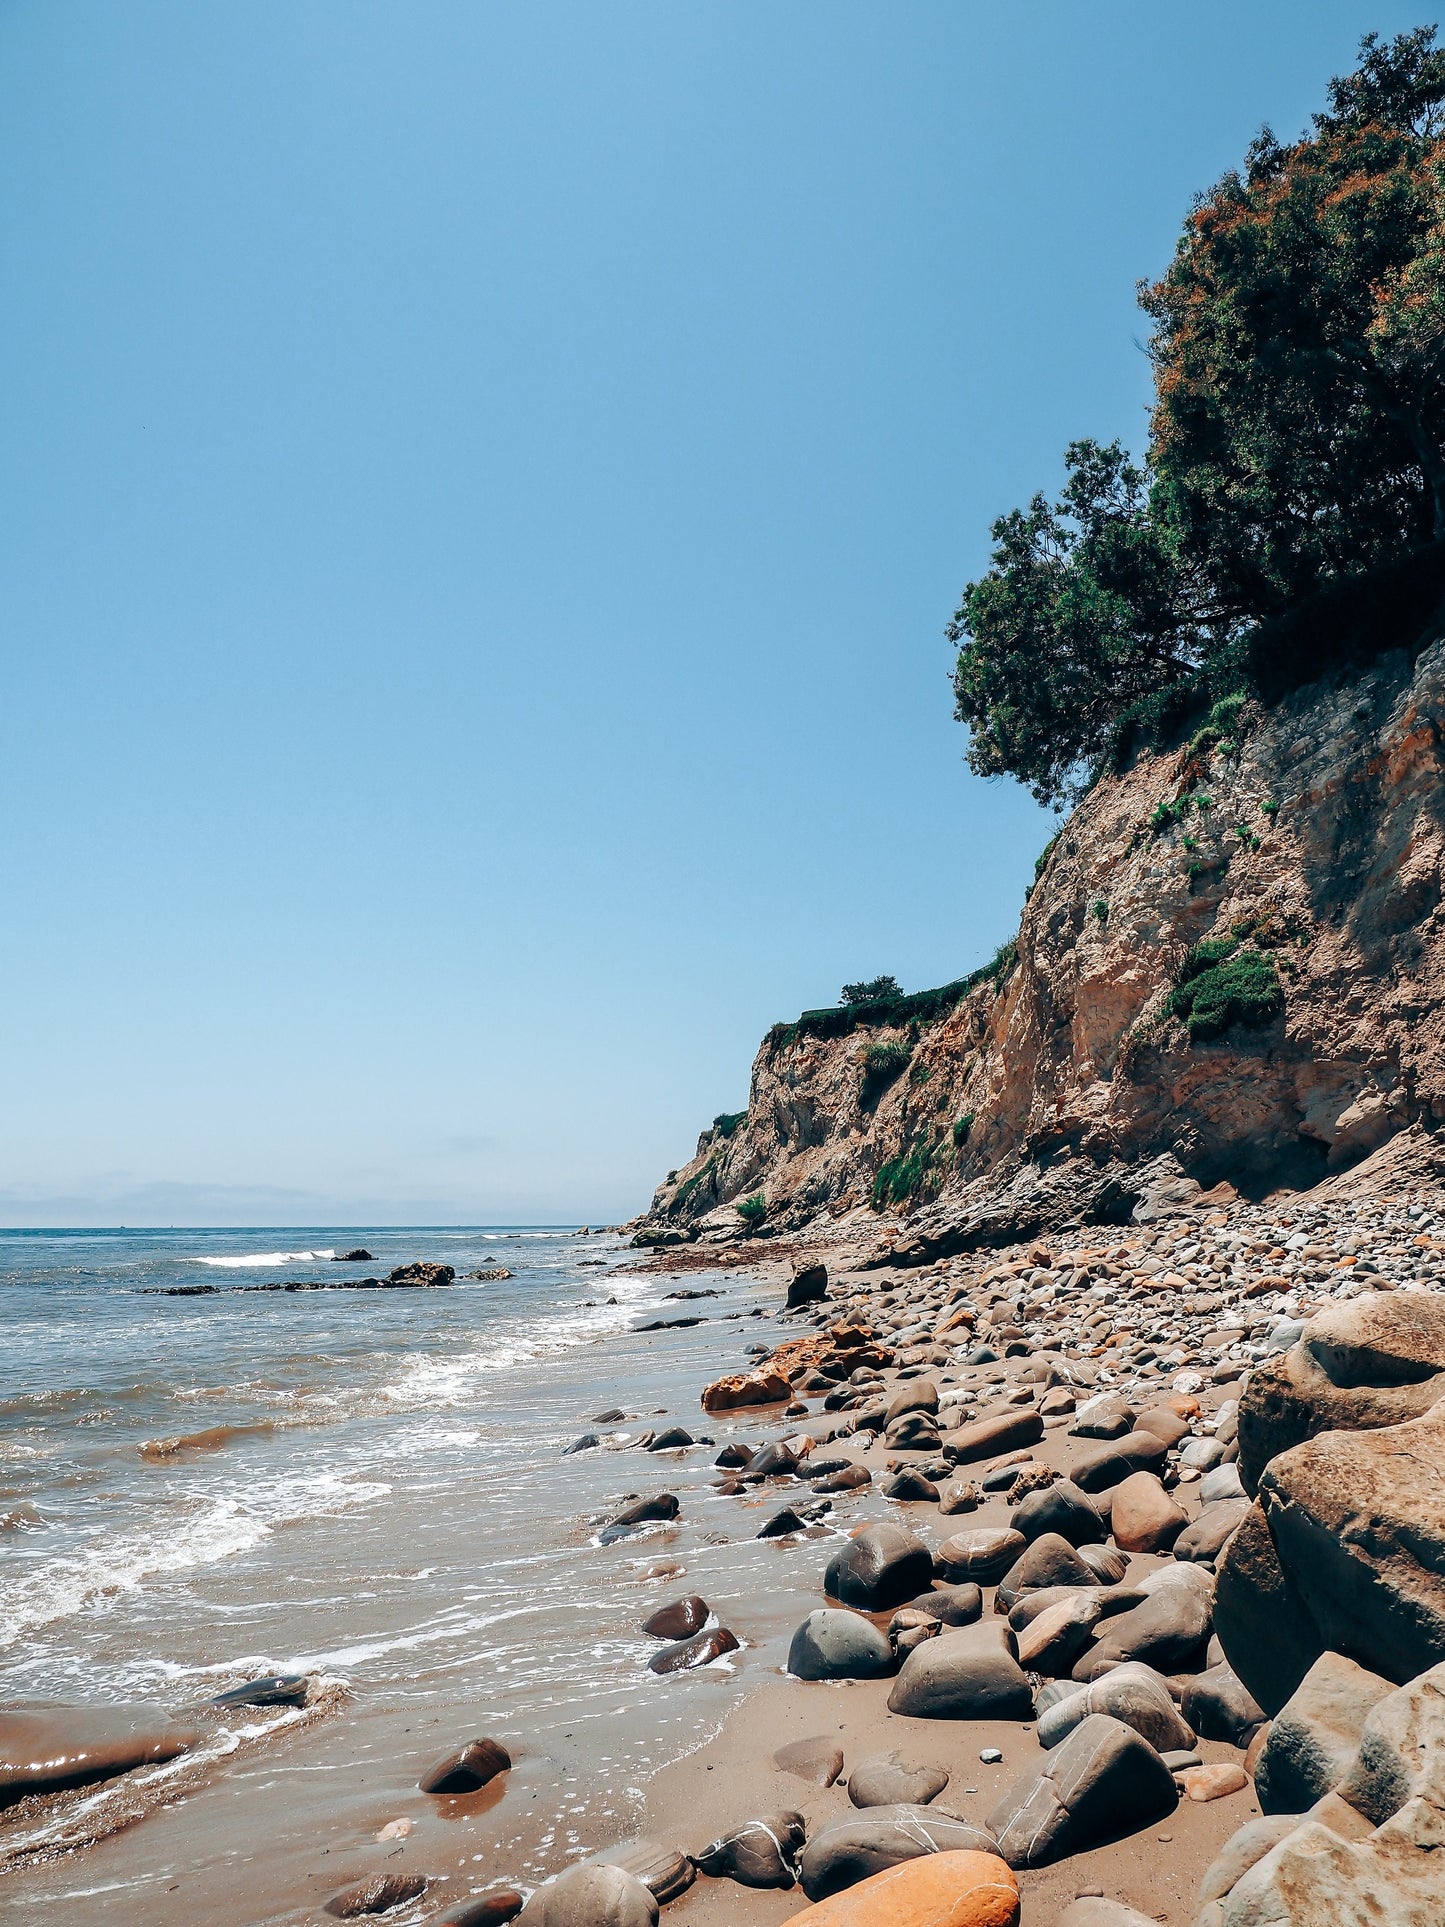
(367, 1486)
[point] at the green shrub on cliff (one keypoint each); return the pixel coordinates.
(962, 1125)
(901, 1177)
(1223, 985)
(883, 1064)
(726, 1122)
(752, 1210)
(1290, 512)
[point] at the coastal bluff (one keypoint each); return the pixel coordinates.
(1230, 970)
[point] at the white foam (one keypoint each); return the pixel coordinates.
(251, 1259)
(201, 1531)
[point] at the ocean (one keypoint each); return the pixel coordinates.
(368, 1487)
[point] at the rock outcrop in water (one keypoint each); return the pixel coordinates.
(1231, 969)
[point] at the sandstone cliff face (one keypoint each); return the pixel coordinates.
(1308, 850)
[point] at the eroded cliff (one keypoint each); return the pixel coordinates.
(1231, 968)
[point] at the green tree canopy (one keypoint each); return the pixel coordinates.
(1297, 436)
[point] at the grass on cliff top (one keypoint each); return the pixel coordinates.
(1224, 985)
(921, 1007)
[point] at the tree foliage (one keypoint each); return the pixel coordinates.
(876, 990)
(1297, 437)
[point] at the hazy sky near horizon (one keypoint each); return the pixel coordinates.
(483, 489)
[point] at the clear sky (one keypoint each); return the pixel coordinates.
(483, 488)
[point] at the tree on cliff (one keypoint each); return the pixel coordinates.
(1297, 436)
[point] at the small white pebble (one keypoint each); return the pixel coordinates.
(395, 1830)
(991, 1756)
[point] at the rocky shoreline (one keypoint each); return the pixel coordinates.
(1128, 1563)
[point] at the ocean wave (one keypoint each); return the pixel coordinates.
(201, 1531)
(252, 1259)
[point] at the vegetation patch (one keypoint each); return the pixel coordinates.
(883, 1064)
(752, 1210)
(911, 1008)
(726, 1122)
(961, 1128)
(902, 1177)
(685, 1190)
(1223, 985)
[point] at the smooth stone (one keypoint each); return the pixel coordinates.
(1103, 1781)
(1093, 1910)
(951, 1605)
(1106, 1465)
(808, 1286)
(818, 1761)
(487, 1910)
(982, 1554)
(591, 1895)
(1213, 1782)
(663, 1870)
(1218, 1705)
(1212, 1531)
(880, 1567)
(640, 1514)
(986, 1438)
(1107, 1563)
(960, 1495)
(672, 1439)
(1136, 1696)
(1143, 1516)
(967, 1674)
(910, 1484)
(1046, 1562)
(1063, 1510)
(1054, 1638)
(614, 1415)
(852, 1478)
(588, 1442)
(833, 1643)
(775, 1460)
(856, 1847)
(276, 1689)
(478, 1763)
(1314, 1737)
(1164, 1423)
(759, 1853)
(1222, 1483)
(378, 1895)
(714, 1642)
(784, 1524)
(1169, 1631)
(1104, 1416)
(679, 1619)
(886, 1780)
(949, 1889)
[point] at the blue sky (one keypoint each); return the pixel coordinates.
(483, 488)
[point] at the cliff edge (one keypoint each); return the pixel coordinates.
(1230, 969)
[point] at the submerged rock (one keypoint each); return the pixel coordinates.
(44, 1749)
(475, 1766)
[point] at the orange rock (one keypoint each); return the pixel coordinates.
(1213, 1782)
(936, 1890)
(745, 1388)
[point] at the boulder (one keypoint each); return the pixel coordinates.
(478, 1763)
(775, 1460)
(640, 1514)
(887, 1780)
(987, 1438)
(591, 1895)
(1401, 1754)
(980, 1555)
(1135, 1695)
(1314, 1737)
(1052, 1640)
(680, 1619)
(809, 1286)
(860, 1845)
(880, 1567)
(911, 1484)
(951, 1605)
(1169, 1631)
(967, 1674)
(1103, 1781)
(834, 1644)
(819, 1761)
(1047, 1562)
(1063, 1510)
(737, 1389)
(663, 1870)
(948, 1889)
(1207, 1536)
(1105, 1416)
(1241, 1850)
(1345, 1551)
(1143, 1516)
(759, 1853)
(1219, 1706)
(1374, 1361)
(714, 1642)
(422, 1274)
(1102, 1466)
(917, 1395)
(1390, 1878)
